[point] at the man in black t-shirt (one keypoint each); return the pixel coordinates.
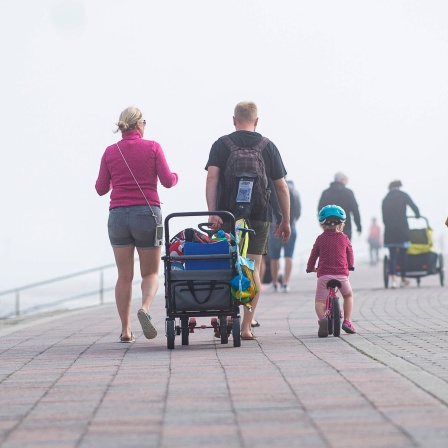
(245, 121)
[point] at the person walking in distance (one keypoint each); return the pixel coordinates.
(276, 246)
(335, 254)
(221, 195)
(396, 229)
(374, 241)
(130, 169)
(342, 196)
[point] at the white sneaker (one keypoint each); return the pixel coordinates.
(272, 288)
(393, 285)
(404, 283)
(285, 288)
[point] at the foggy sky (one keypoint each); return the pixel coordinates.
(353, 86)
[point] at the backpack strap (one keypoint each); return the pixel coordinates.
(259, 146)
(262, 144)
(229, 143)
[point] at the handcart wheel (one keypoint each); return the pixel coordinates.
(229, 327)
(336, 318)
(170, 333)
(330, 323)
(185, 330)
(386, 271)
(441, 271)
(223, 329)
(236, 330)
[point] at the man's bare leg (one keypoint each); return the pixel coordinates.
(246, 328)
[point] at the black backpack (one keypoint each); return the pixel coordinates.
(246, 183)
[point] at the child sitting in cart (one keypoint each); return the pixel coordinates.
(335, 254)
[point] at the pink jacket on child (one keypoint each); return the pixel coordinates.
(335, 254)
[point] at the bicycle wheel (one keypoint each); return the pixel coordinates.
(336, 316)
(330, 323)
(170, 335)
(386, 271)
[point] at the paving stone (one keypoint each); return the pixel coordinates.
(66, 381)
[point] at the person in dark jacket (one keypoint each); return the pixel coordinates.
(396, 229)
(276, 245)
(339, 194)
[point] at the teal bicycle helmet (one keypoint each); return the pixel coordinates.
(332, 215)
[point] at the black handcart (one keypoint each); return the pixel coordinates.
(201, 288)
(422, 259)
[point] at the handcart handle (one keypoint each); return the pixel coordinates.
(420, 217)
(202, 226)
(224, 215)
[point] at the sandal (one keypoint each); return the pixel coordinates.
(127, 340)
(149, 330)
(252, 337)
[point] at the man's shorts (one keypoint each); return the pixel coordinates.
(321, 288)
(258, 241)
(276, 245)
(133, 226)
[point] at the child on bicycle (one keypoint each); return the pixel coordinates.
(335, 254)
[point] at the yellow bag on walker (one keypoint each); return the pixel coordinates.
(244, 287)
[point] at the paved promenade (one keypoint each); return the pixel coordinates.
(65, 381)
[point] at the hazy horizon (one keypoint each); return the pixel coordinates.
(358, 87)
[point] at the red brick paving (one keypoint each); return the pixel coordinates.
(66, 382)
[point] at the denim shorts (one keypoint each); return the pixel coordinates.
(276, 245)
(133, 226)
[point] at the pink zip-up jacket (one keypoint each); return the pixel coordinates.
(335, 254)
(148, 164)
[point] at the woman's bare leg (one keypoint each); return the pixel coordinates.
(149, 269)
(124, 258)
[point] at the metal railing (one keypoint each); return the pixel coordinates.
(89, 287)
(51, 294)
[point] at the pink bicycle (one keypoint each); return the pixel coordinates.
(333, 308)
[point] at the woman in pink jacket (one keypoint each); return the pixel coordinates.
(131, 169)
